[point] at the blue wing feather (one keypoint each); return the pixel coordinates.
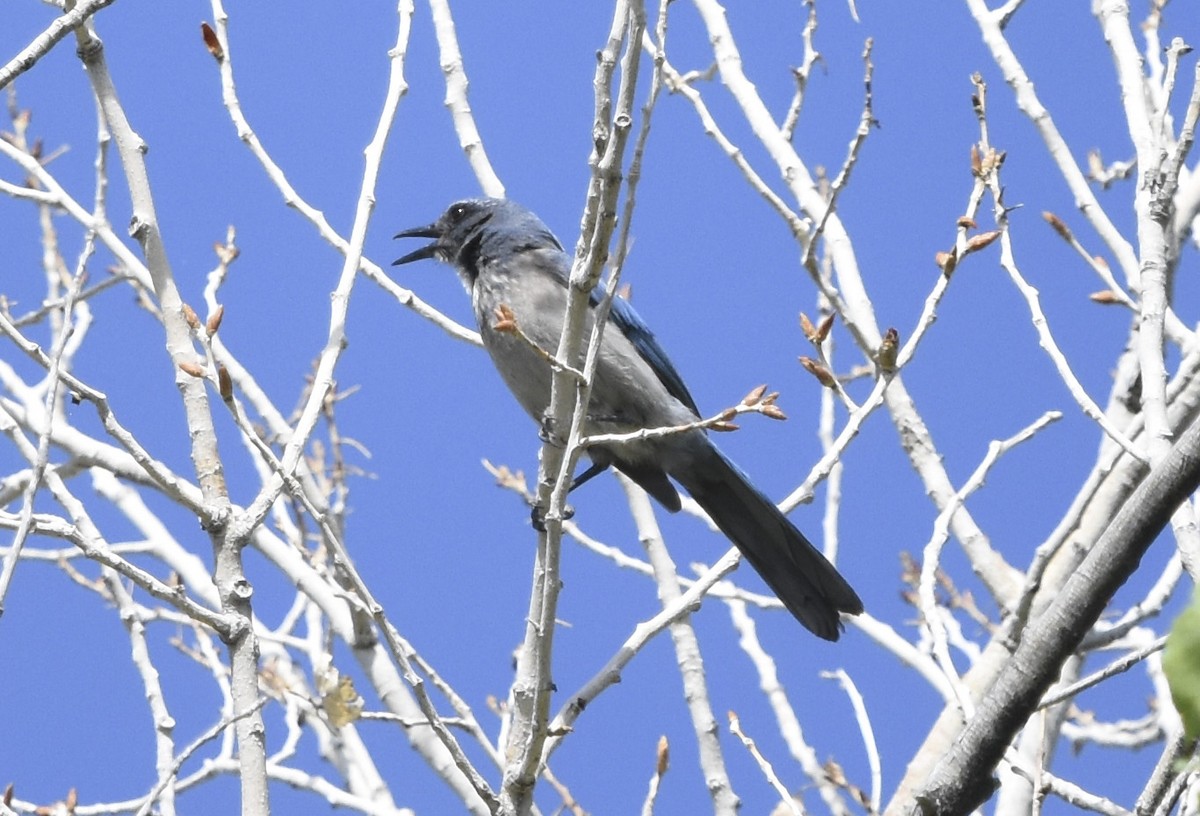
(634, 328)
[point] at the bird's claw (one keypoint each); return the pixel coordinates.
(546, 432)
(538, 520)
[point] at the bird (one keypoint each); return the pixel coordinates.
(511, 264)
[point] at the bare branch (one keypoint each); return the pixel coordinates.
(41, 45)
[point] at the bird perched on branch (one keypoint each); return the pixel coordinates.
(516, 273)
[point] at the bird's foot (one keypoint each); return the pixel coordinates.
(538, 520)
(546, 432)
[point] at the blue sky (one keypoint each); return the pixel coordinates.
(712, 269)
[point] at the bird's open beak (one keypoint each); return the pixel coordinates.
(428, 251)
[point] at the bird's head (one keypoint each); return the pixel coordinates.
(457, 226)
(470, 226)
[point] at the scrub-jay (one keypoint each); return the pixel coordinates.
(507, 257)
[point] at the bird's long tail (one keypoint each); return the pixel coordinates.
(809, 586)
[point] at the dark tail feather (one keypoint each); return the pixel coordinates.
(809, 586)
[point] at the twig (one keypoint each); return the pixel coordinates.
(456, 100)
(164, 478)
(294, 200)
(785, 714)
(164, 723)
(51, 410)
(991, 177)
(85, 535)
(507, 322)
(103, 230)
(642, 634)
(660, 769)
(1152, 246)
(1124, 664)
(811, 57)
(930, 610)
(228, 574)
(990, 23)
(1069, 792)
(527, 746)
(54, 304)
(1151, 605)
(865, 122)
(336, 340)
(1176, 749)
(41, 197)
(868, 734)
(687, 653)
(785, 797)
(762, 405)
(677, 83)
(1095, 262)
(54, 33)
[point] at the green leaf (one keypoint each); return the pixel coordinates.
(1181, 665)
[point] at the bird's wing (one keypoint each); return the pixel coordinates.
(625, 318)
(634, 328)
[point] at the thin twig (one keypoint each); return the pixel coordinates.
(50, 411)
(687, 653)
(865, 123)
(868, 734)
(293, 199)
(1124, 664)
(642, 634)
(785, 713)
(764, 765)
(54, 33)
(931, 612)
(455, 73)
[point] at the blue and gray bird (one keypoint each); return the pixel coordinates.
(507, 257)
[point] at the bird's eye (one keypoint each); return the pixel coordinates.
(457, 212)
